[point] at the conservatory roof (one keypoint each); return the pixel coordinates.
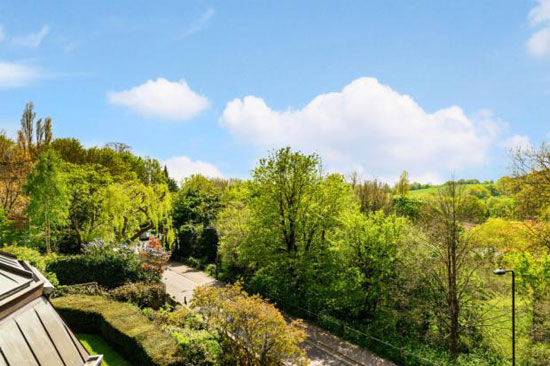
(31, 331)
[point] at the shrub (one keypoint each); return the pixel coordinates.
(84, 289)
(142, 294)
(109, 269)
(154, 256)
(123, 326)
(34, 257)
(199, 348)
(536, 355)
(180, 317)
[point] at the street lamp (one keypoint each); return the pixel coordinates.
(501, 272)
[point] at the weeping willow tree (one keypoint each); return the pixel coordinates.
(132, 208)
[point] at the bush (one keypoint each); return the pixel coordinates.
(536, 355)
(142, 294)
(109, 269)
(34, 257)
(199, 348)
(180, 317)
(123, 326)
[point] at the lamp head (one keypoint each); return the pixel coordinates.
(500, 271)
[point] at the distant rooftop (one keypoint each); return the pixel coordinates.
(31, 331)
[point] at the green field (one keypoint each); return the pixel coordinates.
(97, 345)
(418, 193)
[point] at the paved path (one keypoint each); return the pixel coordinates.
(323, 348)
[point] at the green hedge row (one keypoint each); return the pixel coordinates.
(108, 270)
(123, 326)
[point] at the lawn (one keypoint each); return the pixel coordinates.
(97, 345)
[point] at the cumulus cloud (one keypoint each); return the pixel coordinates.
(180, 167)
(367, 126)
(539, 43)
(163, 99)
(15, 75)
(32, 40)
(540, 13)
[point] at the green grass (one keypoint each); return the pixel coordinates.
(95, 345)
(418, 193)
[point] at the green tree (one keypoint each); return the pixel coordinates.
(295, 210)
(233, 224)
(197, 202)
(70, 150)
(171, 182)
(88, 185)
(372, 196)
(453, 264)
(133, 208)
(32, 137)
(369, 253)
(48, 194)
(195, 207)
(402, 186)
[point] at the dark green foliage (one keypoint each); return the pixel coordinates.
(142, 294)
(406, 206)
(188, 237)
(70, 150)
(197, 242)
(197, 202)
(109, 269)
(208, 244)
(7, 229)
(123, 326)
(170, 182)
(415, 185)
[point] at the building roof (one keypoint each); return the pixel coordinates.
(31, 331)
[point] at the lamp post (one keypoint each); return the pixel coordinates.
(500, 272)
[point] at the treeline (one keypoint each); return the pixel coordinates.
(60, 195)
(412, 270)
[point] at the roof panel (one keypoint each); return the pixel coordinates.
(38, 339)
(56, 328)
(14, 346)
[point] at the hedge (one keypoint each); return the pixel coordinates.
(108, 270)
(142, 294)
(123, 326)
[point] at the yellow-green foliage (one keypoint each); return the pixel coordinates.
(123, 326)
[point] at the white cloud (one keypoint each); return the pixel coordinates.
(540, 13)
(539, 43)
(199, 24)
(32, 40)
(180, 167)
(14, 74)
(370, 127)
(163, 99)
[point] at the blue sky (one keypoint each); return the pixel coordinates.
(438, 88)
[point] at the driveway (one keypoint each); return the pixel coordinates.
(323, 348)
